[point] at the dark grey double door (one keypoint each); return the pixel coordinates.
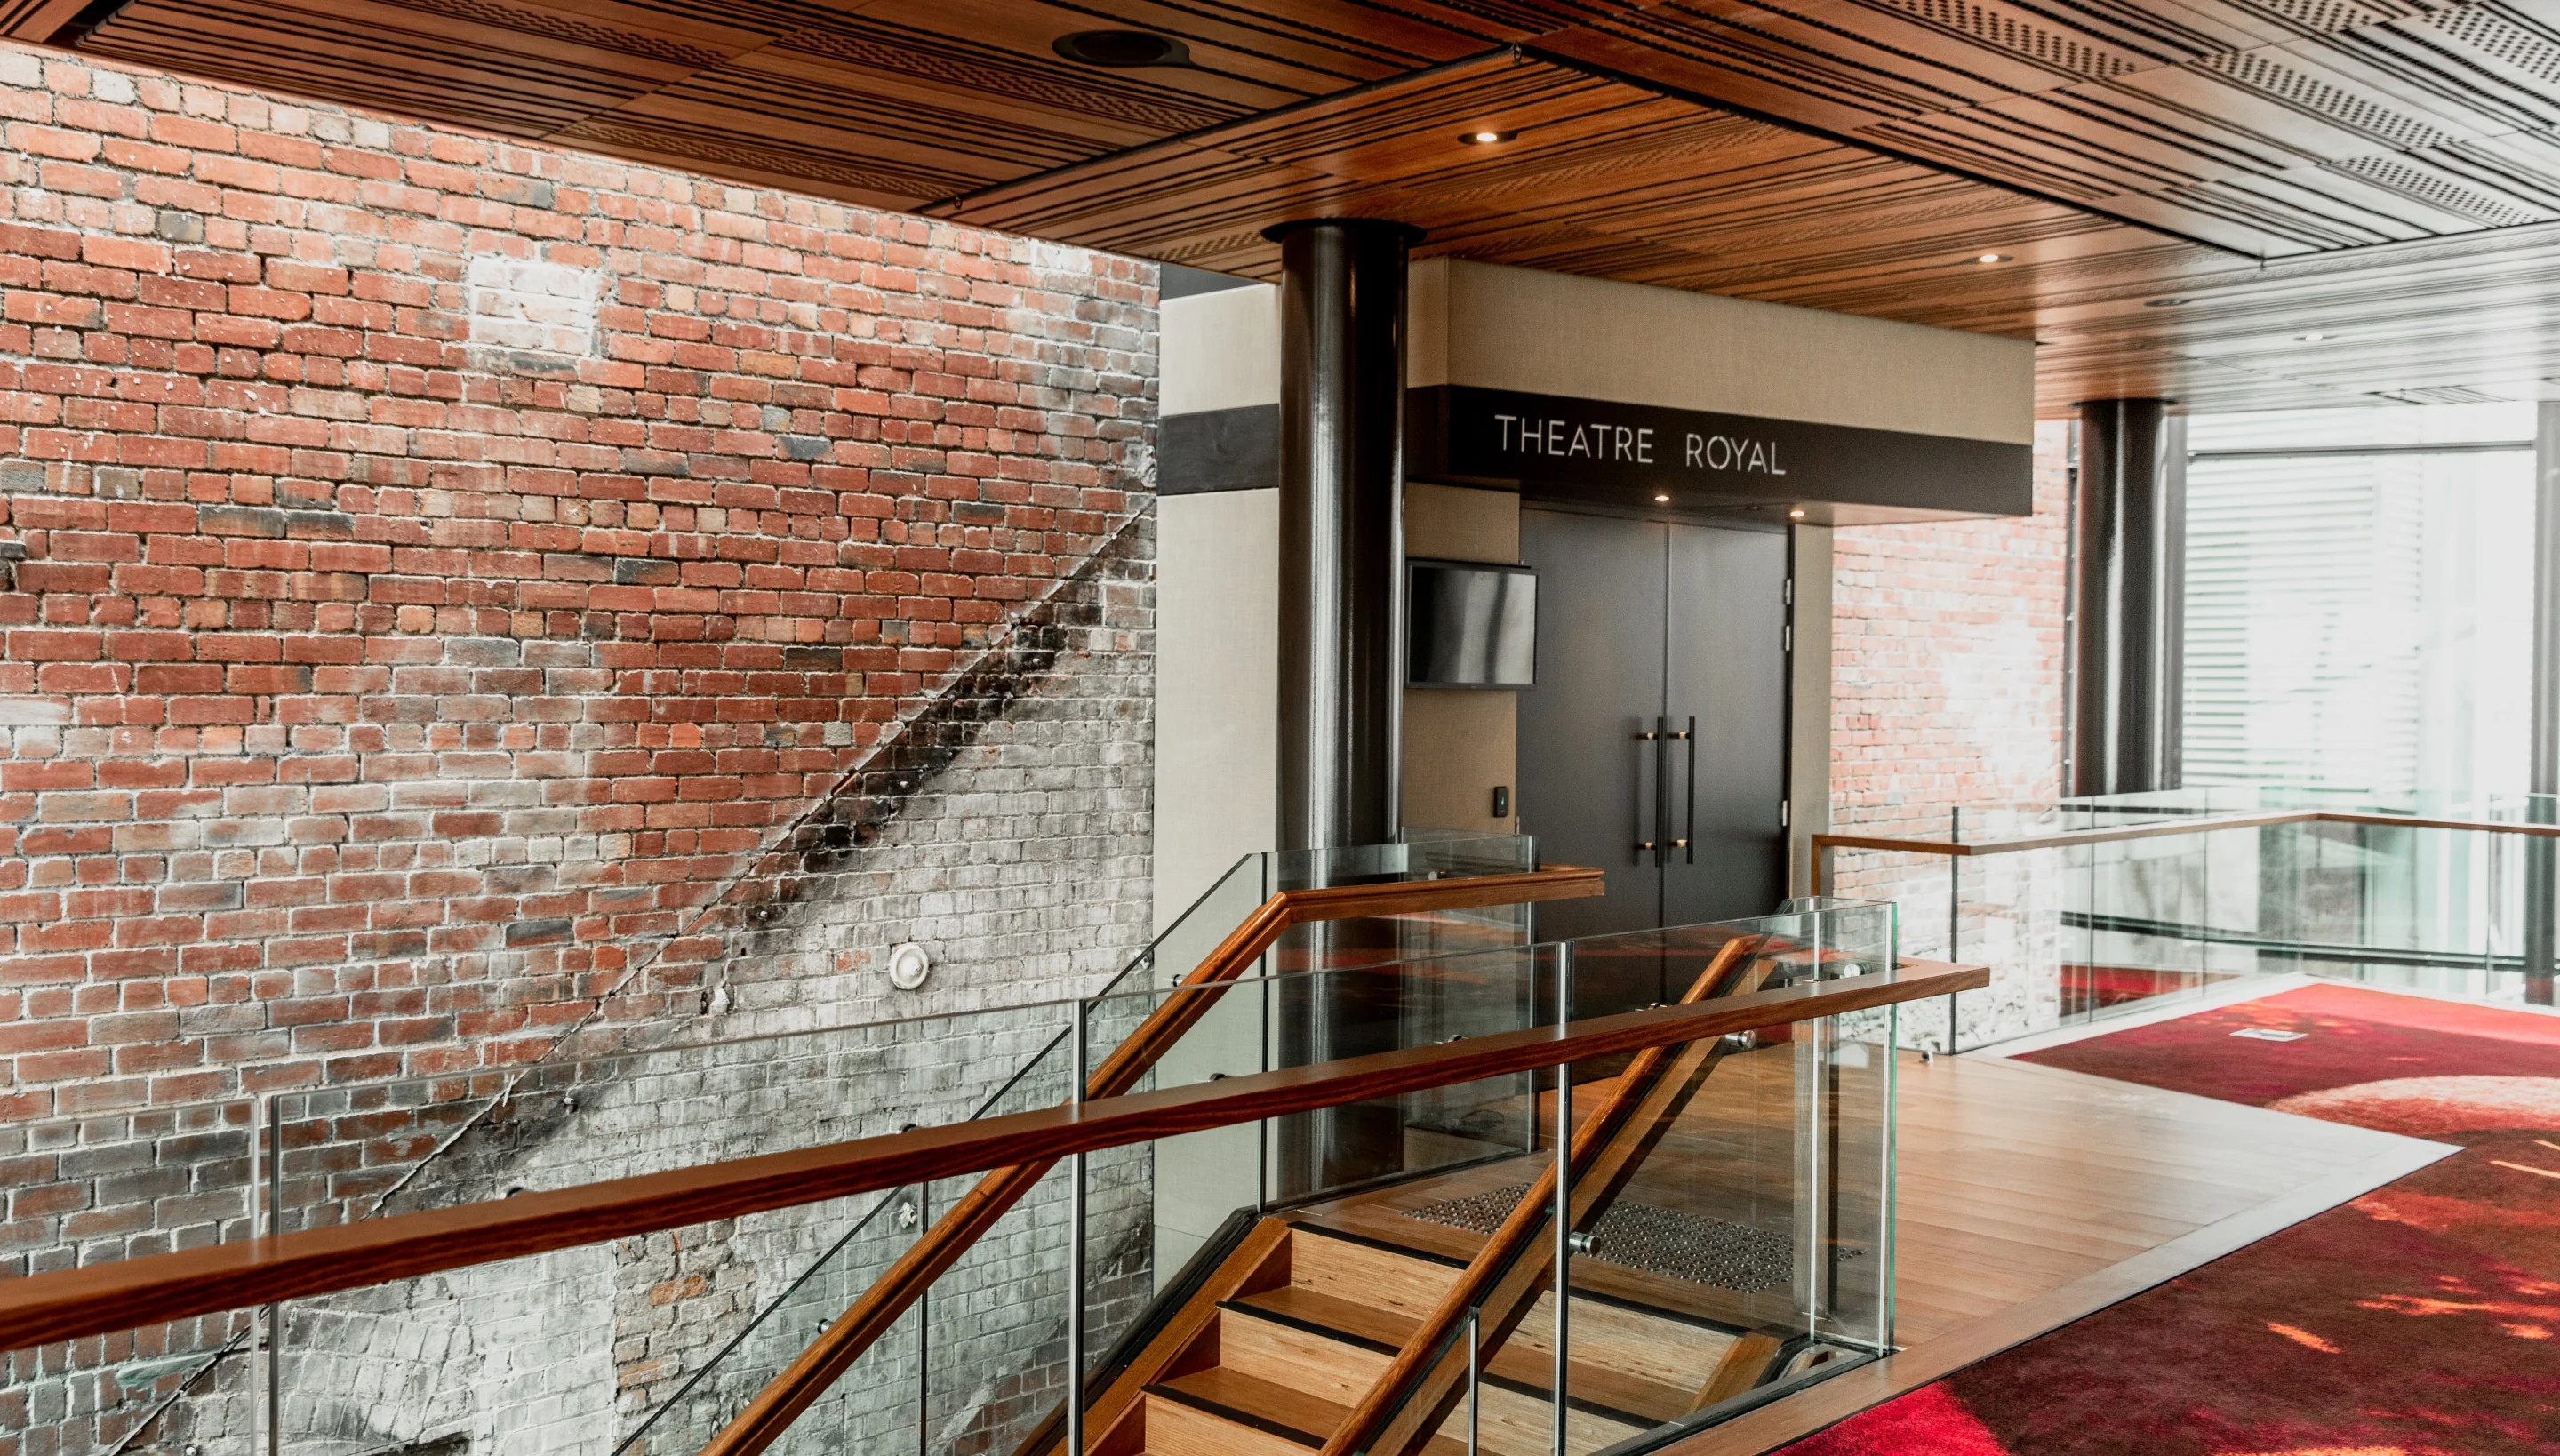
(1646, 629)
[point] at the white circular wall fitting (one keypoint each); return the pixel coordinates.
(908, 965)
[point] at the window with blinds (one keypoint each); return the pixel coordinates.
(2359, 600)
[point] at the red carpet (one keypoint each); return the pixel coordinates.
(2419, 1320)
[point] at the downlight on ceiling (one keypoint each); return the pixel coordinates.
(1661, 498)
(2313, 336)
(1992, 258)
(1121, 49)
(1486, 138)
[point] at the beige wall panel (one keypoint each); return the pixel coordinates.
(1426, 323)
(1459, 742)
(1457, 524)
(1217, 714)
(1588, 338)
(1217, 675)
(1220, 351)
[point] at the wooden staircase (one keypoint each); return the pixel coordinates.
(1298, 1324)
(1325, 1331)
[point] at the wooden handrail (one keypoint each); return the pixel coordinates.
(1503, 1279)
(104, 1298)
(2199, 824)
(826, 1358)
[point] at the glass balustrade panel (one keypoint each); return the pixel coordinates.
(978, 1373)
(1732, 1234)
(115, 1183)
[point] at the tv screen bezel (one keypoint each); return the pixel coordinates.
(1514, 569)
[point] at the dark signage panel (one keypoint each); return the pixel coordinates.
(1596, 450)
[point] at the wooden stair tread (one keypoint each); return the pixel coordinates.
(1630, 1396)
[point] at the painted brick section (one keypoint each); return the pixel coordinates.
(1947, 655)
(456, 567)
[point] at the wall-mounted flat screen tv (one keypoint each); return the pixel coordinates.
(1469, 625)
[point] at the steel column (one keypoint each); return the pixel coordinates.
(1341, 645)
(1341, 529)
(2127, 590)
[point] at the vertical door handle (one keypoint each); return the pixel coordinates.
(1688, 842)
(1662, 790)
(1644, 842)
(1691, 825)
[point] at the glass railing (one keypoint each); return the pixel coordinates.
(2174, 894)
(1744, 1221)
(1725, 1231)
(1297, 1257)
(651, 1342)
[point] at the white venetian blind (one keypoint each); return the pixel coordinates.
(2358, 622)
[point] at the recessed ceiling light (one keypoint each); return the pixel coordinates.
(1121, 49)
(1662, 500)
(2313, 336)
(1486, 138)
(1794, 515)
(1991, 258)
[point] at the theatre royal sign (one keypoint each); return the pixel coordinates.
(1560, 437)
(1599, 450)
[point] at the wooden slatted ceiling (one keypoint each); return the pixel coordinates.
(1605, 178)
(2241, 123)
(2382, 170)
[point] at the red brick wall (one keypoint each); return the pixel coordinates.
(450, 561)
(1947, 657)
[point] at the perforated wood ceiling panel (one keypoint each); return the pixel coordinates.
(2382, 172)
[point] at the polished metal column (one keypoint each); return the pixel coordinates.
(2128, 589)
(1341, 658)
(2541, 855)
(1341, 529)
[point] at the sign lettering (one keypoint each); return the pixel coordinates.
(1606, 451)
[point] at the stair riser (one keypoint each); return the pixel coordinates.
(1651, 1347)
(1365, 1275)
(1335, 1369)
(1512, 1424)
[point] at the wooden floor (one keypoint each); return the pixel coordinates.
(2017, 1178)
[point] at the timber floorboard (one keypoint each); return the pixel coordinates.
(2017, 1178)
